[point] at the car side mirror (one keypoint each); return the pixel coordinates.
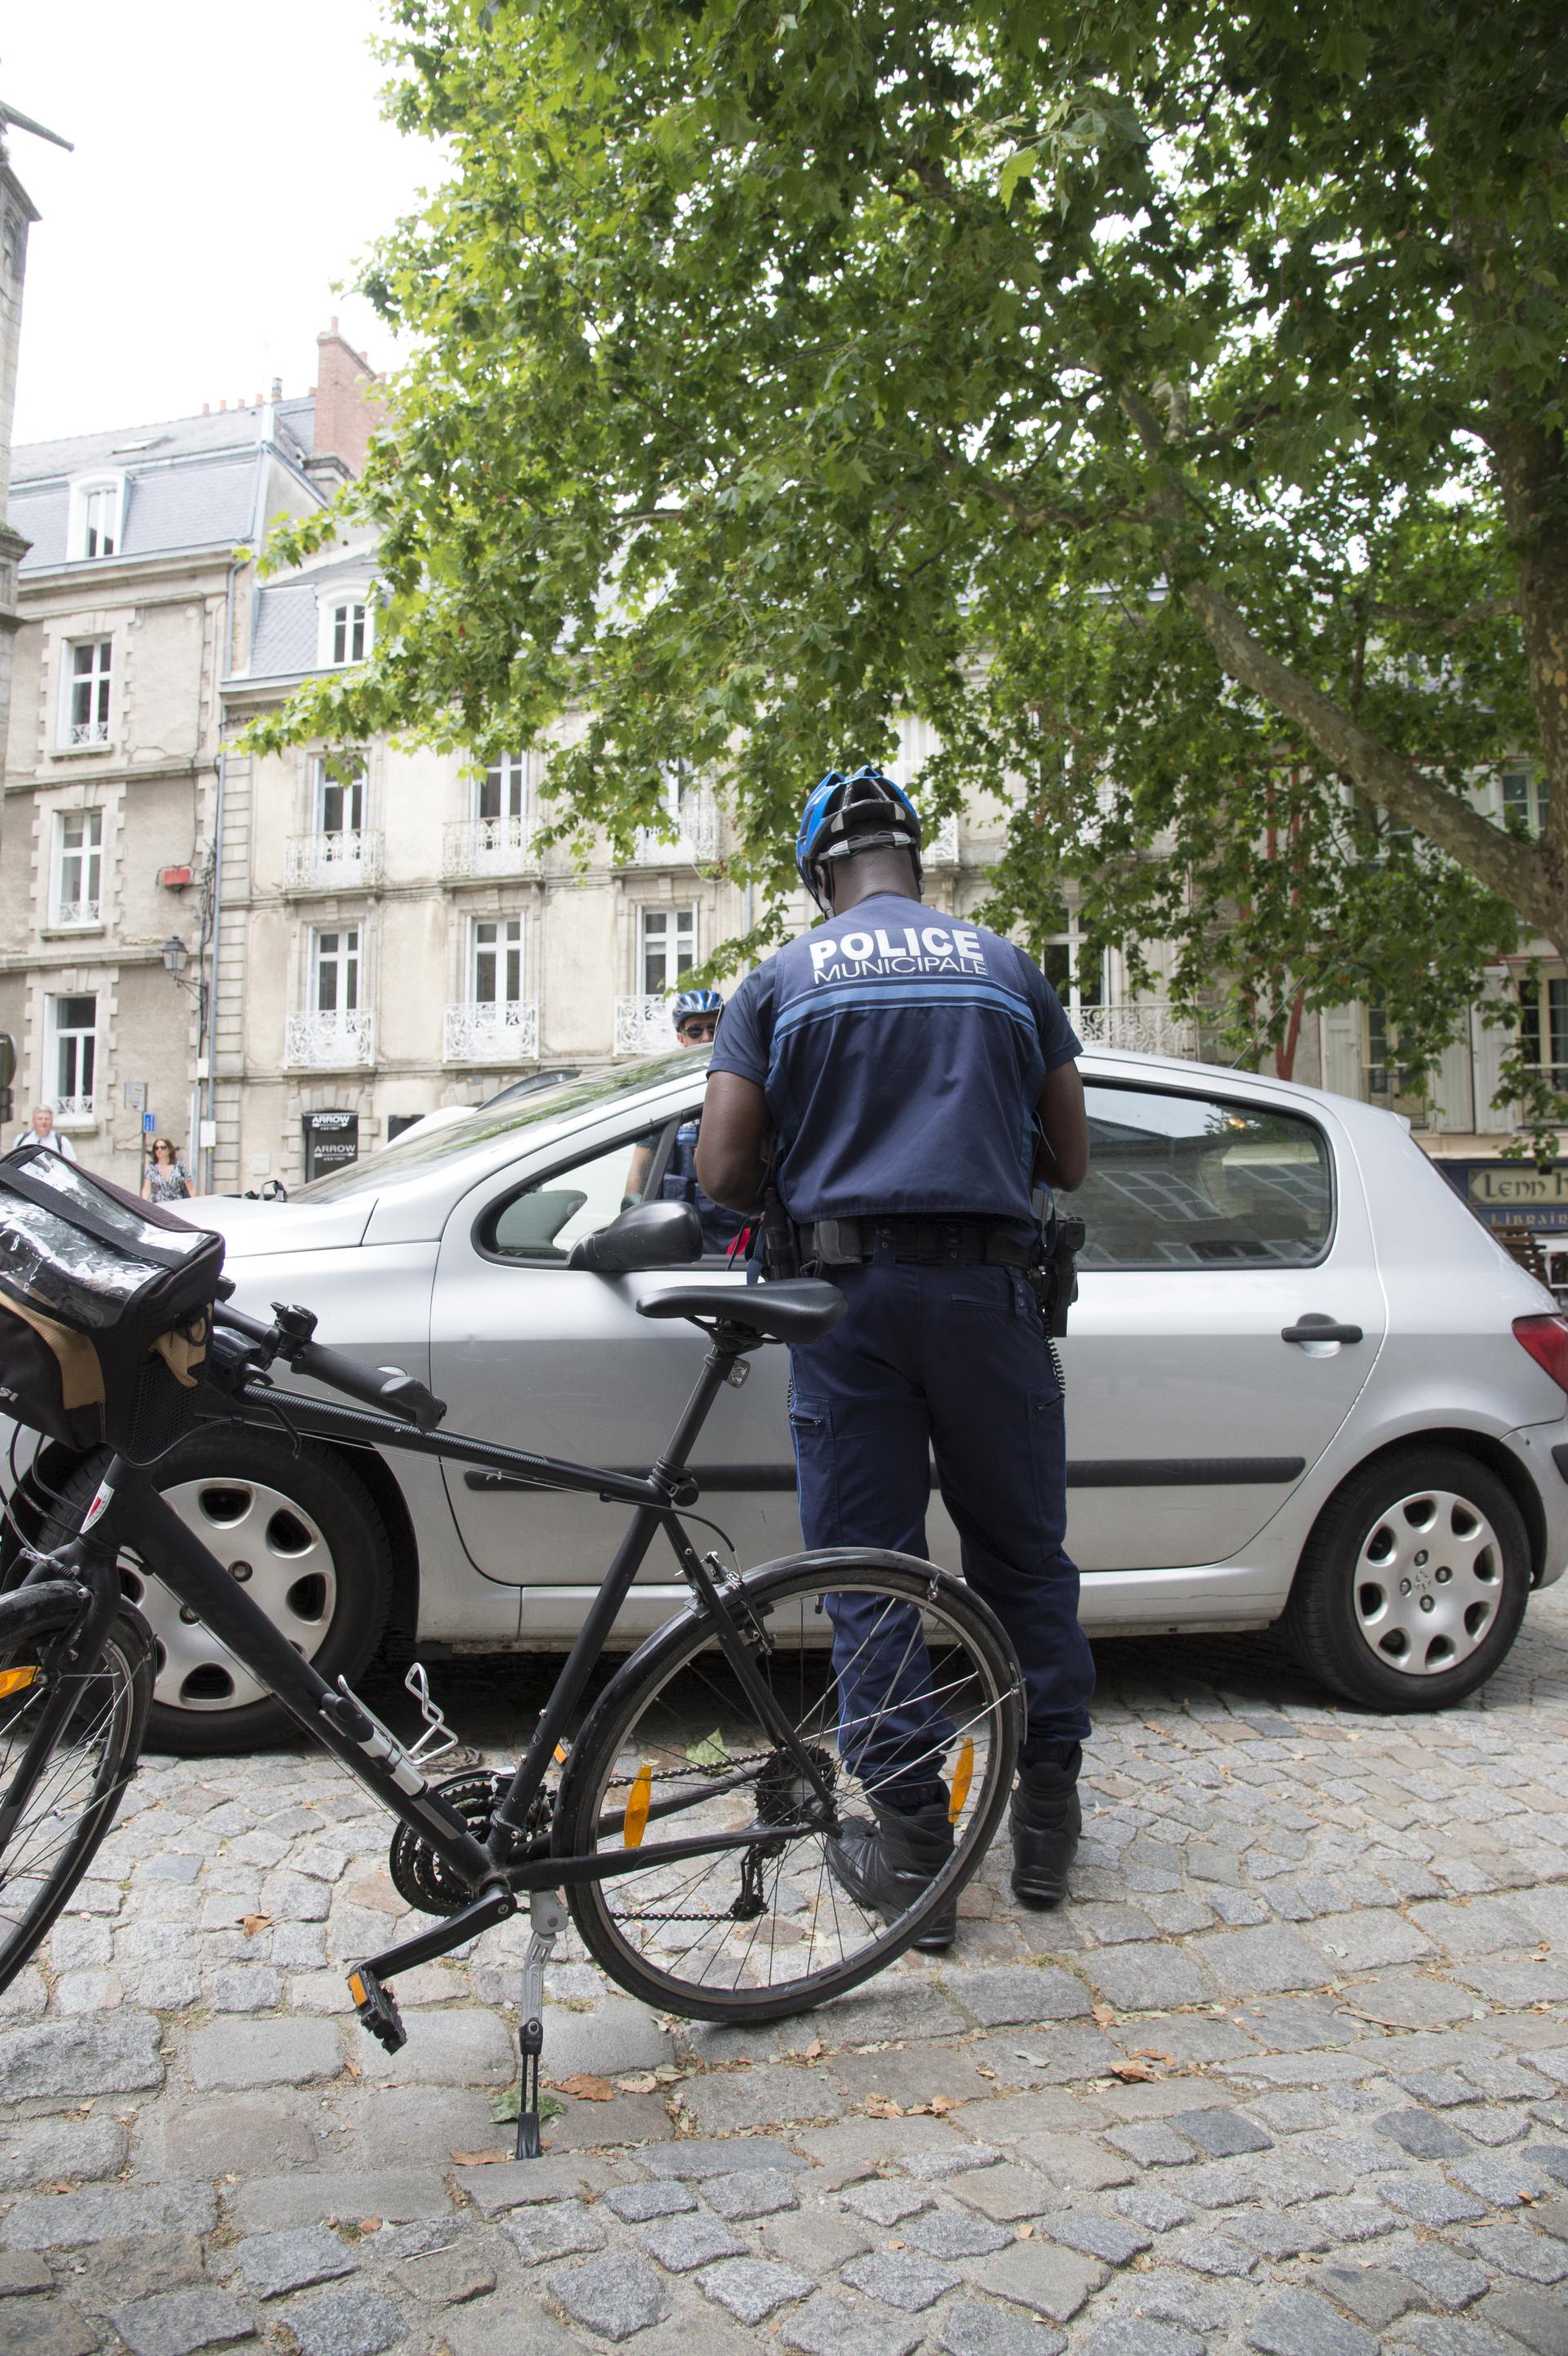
(654, 1234)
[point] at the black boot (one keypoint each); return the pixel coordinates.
(886, 1866)
(1046, 1821)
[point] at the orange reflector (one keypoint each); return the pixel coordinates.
(559, 1754)
(962, 1777)
(637, 1807)
(15, 1680)
(357, 1989)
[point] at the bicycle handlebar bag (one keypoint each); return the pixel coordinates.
(105, 1307)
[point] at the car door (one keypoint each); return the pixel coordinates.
(536, 1355)
(1217, 1224)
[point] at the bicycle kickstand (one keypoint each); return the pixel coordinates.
(547, 1916)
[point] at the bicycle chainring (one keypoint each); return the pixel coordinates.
(421, 1875)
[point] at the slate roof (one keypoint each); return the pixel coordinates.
(285, 637)
(190, 482)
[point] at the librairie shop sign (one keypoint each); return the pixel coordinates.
(1513, 1194)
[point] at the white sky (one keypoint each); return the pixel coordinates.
(230, 165)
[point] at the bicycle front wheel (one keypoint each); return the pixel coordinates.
(896, 1679)
(54, 1810)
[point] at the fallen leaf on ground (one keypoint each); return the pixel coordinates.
(1104, 2014)
(711, 1752)
(1153, 2053)
(587, 2087)
(1026, 2233)
(252, 1924)
(1138, 2071)
(479, 2159)
(940, 2103)
(369, 2224)
(641, 2082)
(882, 2106)
(814, 2050)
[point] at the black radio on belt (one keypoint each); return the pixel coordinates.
(1054, 1276)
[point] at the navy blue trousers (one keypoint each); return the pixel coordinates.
(953, 1361)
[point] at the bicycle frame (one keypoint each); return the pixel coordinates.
(128, 1510)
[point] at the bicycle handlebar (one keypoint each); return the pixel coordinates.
(289, 1337)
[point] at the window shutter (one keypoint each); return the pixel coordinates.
(1340, 1032)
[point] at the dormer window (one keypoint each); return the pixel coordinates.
(96, 510)
(350, 632)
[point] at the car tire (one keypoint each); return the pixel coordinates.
(299, 1523)
(1412, 1587)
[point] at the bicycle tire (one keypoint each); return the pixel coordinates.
(84, 1775)
(613, 1929)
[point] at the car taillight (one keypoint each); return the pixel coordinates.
(1546, 1338)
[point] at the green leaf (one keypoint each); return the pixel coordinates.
(711, 1752)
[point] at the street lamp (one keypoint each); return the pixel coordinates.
(175, 956)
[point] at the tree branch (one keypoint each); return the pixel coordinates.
(1484, 609)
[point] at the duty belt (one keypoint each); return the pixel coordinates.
(928, 1242)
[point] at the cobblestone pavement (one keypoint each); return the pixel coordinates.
(1290, 2075)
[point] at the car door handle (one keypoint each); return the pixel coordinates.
(1320, 1329)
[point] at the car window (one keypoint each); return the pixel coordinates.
(542, 1221)
(1191, 1180)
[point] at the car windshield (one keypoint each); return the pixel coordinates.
(431, 1149)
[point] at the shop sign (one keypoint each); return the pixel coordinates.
(331, 1140)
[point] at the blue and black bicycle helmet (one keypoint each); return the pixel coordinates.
(696, 1001)
(845, 815)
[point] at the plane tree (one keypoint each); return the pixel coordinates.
(1165, 402)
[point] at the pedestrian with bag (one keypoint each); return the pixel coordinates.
(903, 1079)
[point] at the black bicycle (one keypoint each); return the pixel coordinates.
(697, 1874)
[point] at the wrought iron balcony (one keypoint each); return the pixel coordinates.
(489, 846)
(74, 1107)
(346, 861)
(695, 844)
(643, 1026)
(941, 847)
(81, 914)
(1140, 1029)
(87, 731)
(331, 1042)
(476, 1033)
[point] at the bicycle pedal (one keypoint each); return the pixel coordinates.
(377, 2008)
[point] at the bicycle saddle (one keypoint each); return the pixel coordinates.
(796, 1310)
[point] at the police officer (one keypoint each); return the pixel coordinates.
(696, 1015)
(910, 1077)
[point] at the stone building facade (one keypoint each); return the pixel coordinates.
(283, 961)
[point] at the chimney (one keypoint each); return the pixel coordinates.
(346, 408)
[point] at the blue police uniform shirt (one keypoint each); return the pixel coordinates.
(902, 1054)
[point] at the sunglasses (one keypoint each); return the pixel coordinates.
(707, 1027)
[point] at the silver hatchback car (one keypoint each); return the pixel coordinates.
(1304, 1386)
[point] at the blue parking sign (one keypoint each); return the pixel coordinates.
(149, 1122)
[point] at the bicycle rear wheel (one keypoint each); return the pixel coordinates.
(890, 1672)
(72, 1799)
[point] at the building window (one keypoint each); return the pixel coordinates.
(88, 681)
(667, 947)
(339, 796)
(502, 791)
(1544, 1026)
(1527, 798)
(1078, 978)
(495, 962)
(72, 1052)
(1381, 1056)
(94, 528)
(334, 971)
(78, 894)
(351, 631)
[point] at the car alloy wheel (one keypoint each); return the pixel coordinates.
(1411, 1590)
(1428, 1582)
(268, 1541)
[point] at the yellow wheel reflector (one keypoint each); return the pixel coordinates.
(637, 1807)
(357, 1988)
(559, 1754)
(15, 1680)
(962, 1777)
